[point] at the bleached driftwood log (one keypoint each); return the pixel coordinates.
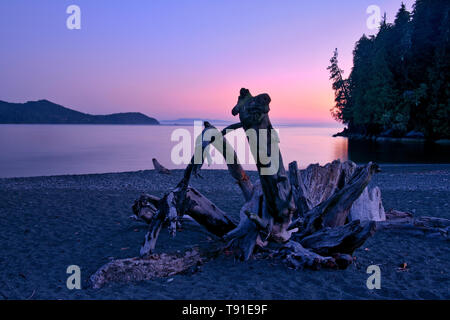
(368, 206)
(297, 257)
(150, 267)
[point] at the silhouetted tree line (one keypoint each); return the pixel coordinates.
(399, 83)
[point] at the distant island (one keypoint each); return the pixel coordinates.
(47, 112)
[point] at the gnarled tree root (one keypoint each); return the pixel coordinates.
(334, 211)
(342, 239)
(298, 257)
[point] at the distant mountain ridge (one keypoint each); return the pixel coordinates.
(47, 112)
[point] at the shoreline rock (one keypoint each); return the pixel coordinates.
(410, 137)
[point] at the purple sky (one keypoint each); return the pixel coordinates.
(176, 59)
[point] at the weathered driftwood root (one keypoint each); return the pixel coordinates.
(267, 215)
(342, 239)
(298, 257)
(234, 167)
(149, 267)
(329, 247)
(159, 167)
(321, 208)
(145, 208)
(197, 206)
(334, 211)
(175, 203)
(324, 239)
(431, 226)
(271, 203)
(254, 226)
(316, 183)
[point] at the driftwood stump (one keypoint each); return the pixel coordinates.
(315, 217)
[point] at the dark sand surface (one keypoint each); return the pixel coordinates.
(49, 223)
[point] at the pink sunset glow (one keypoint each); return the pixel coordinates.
(174, 60)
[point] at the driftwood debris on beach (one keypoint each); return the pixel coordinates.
(316, 217)
(150, 267)
(159, 167)
(404, 221)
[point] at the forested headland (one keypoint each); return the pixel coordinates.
(399, 83)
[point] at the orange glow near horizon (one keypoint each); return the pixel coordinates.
(293, 100)
(182, 59)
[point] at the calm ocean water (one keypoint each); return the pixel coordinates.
(37, 150)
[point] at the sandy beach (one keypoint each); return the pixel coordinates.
(49, 223)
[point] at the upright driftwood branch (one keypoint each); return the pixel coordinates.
(182, 199)
(254, 116)
(269, 212)
(233, 164)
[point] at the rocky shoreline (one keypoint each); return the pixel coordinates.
(412, 136)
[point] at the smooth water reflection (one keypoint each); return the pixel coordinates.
(35, 150)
